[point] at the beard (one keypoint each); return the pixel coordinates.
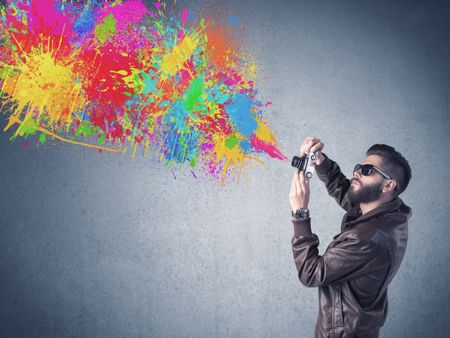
(365, 194)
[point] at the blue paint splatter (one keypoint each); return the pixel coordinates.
(85, 22)
(246, 146)
(240, 114)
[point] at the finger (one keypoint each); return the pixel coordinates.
(317, 147)
(294, 178)
(303, 182)
(301, 178)
(304, 146)
(297, 181)
(308, 144)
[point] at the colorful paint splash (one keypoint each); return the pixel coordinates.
(119, 75)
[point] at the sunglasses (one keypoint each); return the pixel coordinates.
(367, 169)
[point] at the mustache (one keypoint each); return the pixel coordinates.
(355, 180)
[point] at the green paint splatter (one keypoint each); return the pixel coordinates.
(84, 129)
(6, 72)
(101, 139)
(28, 127)
(231, 142)
(193, 162)
(43, 138)
(193, 95)
(106, 28)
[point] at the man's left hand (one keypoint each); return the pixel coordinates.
(299, 194)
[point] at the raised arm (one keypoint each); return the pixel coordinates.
(335, 181)
(329, 172)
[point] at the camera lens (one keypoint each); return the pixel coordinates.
(297, 162)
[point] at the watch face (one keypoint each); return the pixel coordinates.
(301, 214)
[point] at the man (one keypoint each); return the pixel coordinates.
(354, 272)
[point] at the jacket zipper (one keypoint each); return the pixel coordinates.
(336, 315)
(333, 306)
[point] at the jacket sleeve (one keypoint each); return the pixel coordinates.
(349, 258)
(335, 181)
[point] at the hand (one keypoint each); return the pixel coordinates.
(299, 194)
(313, 144)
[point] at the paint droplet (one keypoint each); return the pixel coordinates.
(184, 15)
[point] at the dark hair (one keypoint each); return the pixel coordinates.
(394, 163)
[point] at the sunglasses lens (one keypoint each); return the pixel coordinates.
(366, 169)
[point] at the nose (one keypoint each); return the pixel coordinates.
(357, 173)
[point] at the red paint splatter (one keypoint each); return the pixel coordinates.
(266, 147)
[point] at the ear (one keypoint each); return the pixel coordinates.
(389, 185)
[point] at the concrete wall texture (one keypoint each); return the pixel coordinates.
(108, 246)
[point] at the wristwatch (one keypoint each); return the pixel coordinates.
(300, 214)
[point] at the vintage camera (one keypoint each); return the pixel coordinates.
(306, 164)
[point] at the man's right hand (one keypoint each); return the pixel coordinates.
(313, 144)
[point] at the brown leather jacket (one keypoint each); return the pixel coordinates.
(355, 270)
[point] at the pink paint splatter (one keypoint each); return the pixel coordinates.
(184, 15)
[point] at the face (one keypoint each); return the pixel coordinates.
(365, 189)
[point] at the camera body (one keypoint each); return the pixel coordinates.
(306, 164)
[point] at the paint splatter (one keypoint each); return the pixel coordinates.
(119, 75)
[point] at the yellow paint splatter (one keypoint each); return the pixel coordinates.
(44, 85)
(263, 132)
(133, 80)
(233, 157)
(174, 61)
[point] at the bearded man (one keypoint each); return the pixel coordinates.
(355, 270)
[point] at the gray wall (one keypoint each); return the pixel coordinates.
(99, 245)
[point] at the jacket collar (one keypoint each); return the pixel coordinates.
(355, 216)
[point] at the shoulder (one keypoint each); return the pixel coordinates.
(398, 213)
